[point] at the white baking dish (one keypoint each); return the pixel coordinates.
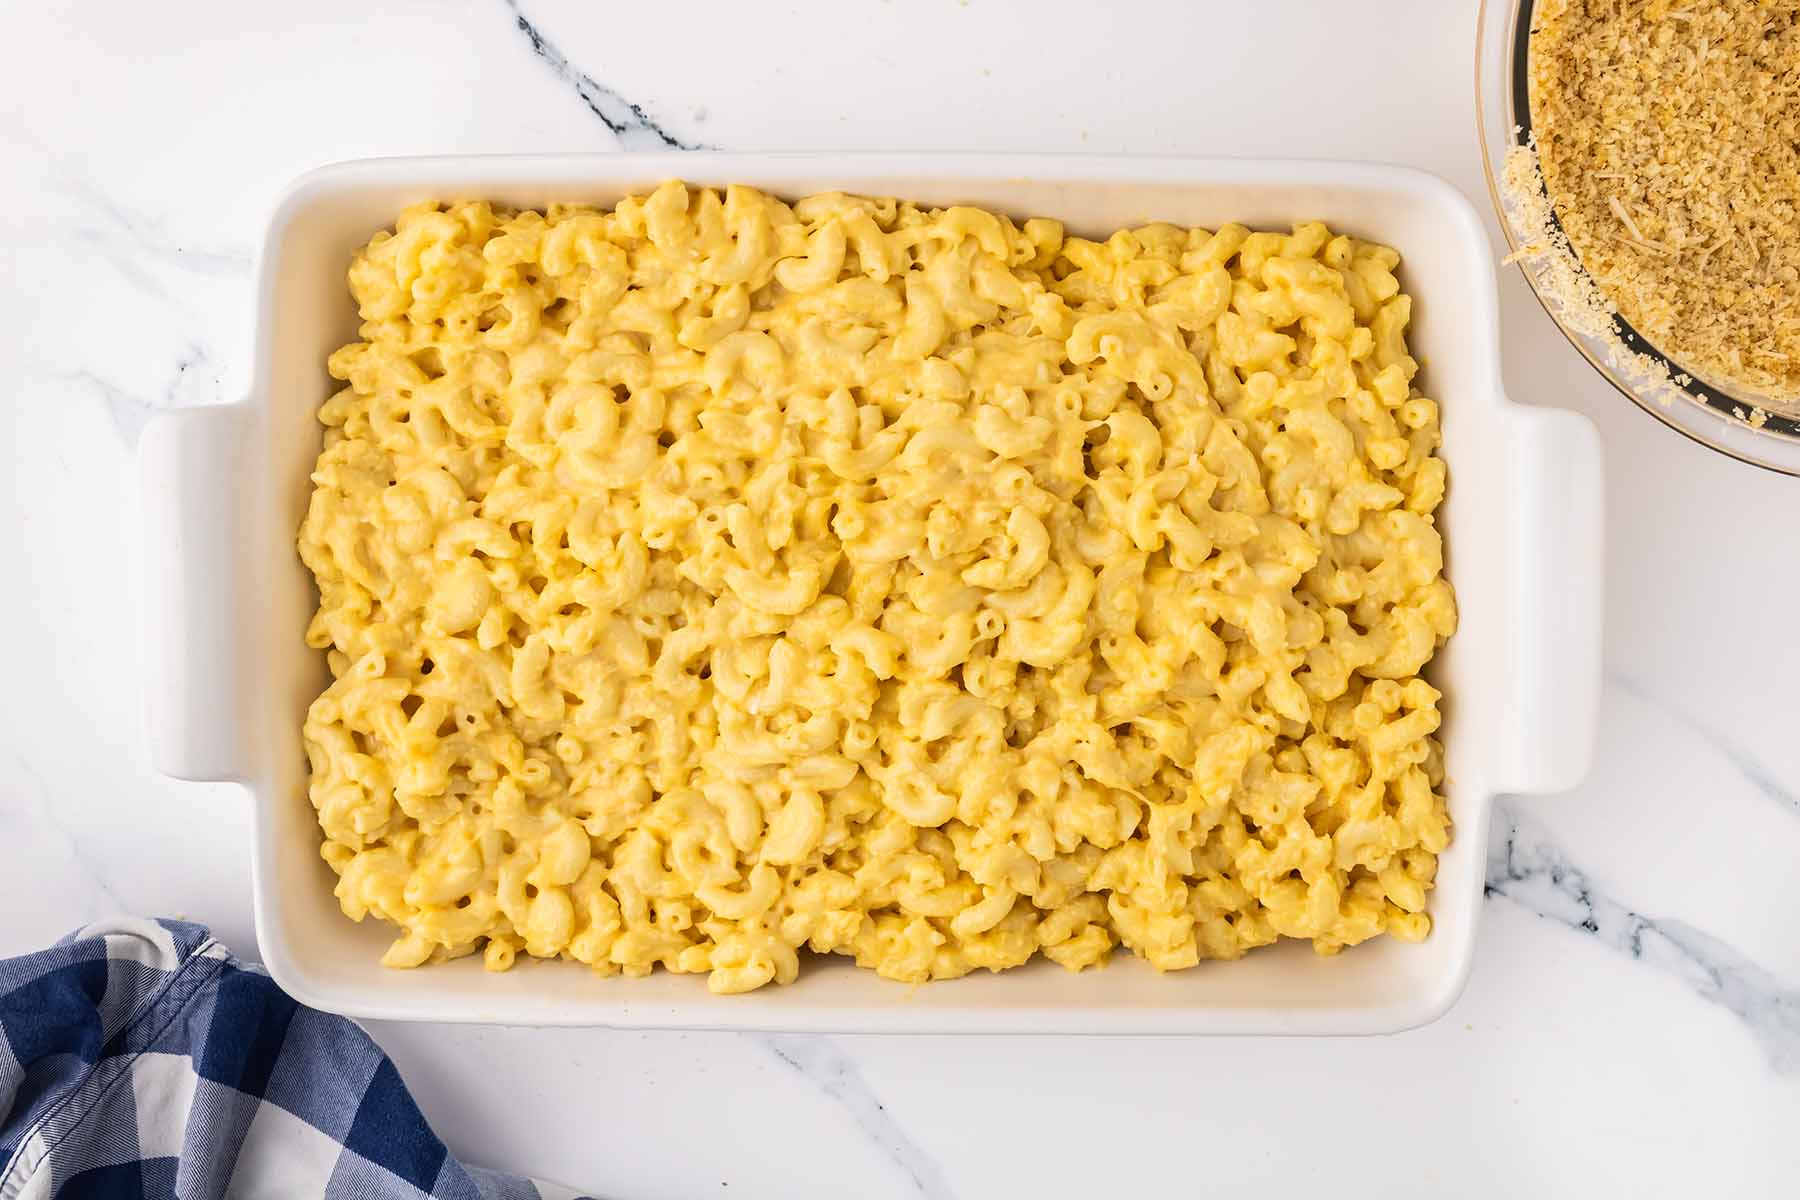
(225, 487)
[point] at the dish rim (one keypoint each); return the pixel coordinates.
(495, 173)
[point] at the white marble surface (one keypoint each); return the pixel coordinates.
(1633, 1022)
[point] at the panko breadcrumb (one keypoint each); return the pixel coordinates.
(1668, 136)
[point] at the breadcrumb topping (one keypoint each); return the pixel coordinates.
(1565, 285)
(1667, 133)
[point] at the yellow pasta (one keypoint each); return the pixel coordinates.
(712, 579)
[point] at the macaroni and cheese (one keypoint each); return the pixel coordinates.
(714, 578)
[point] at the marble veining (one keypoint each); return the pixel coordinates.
(145, 235)
(193, 381)
(828, 1068)
(1730, 749)
(137, 248)
(141, 154)
(106, 222)
(129, 413)
(1525, 867)
(40, 814)
(635, 128)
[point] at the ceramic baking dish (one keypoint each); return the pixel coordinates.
(229, 676)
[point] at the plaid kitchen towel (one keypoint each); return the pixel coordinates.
(139, 1059)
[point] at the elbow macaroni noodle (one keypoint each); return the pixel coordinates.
(716, 577)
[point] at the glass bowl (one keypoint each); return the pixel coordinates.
(1713, 413)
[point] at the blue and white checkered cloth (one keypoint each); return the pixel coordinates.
(139, 1059)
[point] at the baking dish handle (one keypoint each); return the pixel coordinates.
(1558, 563)
(194, 591)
